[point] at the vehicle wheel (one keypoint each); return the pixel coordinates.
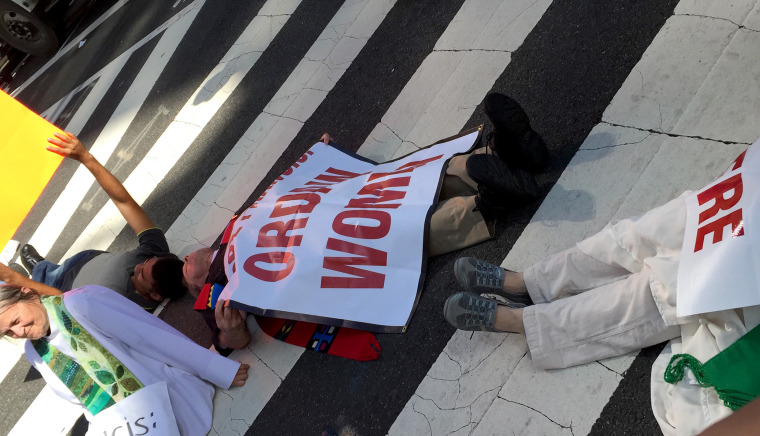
(24, 31)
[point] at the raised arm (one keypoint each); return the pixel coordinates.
(13, 278)
(68, 145)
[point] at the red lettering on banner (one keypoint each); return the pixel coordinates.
(738, 162)
(281, 229)
(284, 259)
(231, 256)
(734, 219)
(381, 194)
(365, 256)
(287, 172)
(299, 201)
(336, 176)
(320, 189)
(378, 196)
(382, 217)
(716, 192)
(419, 163)
(280, 210)
(234, 235)
(406, 168)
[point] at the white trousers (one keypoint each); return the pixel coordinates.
(588, 310)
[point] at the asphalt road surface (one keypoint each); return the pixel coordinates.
(565, 70)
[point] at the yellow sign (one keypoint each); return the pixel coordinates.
(25, 166)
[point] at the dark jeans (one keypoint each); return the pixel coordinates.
(53, 274)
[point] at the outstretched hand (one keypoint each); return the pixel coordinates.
(67, 145)
(326, 138)
(241, 376)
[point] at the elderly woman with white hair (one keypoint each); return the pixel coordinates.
(95, 348)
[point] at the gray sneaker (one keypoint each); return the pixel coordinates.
(483, 278)
(471, 312)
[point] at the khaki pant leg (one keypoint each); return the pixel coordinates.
(456, 182)
(454, 225)
(568, 273)
(603, 322)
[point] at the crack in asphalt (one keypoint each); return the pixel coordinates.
(281, 116)
(570, 427)
(675, 135)
(608, 368)
(619, 145)
(740, 26)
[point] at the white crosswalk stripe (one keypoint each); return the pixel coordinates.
(106, 144)
(481, 383)
(179, 136)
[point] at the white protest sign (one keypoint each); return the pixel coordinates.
(147, 412)
(718, 268)
(339, 240)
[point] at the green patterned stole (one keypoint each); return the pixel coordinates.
(732, 372)
(99, 383)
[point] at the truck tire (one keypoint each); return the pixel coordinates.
(25, 31)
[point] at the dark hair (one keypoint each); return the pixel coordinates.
(167, 277)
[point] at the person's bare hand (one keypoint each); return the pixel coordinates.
(326, 138)
(68, 145)
(241, 376)
(228, 318)
(233, 332)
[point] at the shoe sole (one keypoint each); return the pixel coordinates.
(509, 117)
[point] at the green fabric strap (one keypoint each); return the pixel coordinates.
(99, 383)
(732, 372)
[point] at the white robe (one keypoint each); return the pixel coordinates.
(151, 349)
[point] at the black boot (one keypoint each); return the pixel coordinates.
(499, 185)
(514, 140)
(29, 257)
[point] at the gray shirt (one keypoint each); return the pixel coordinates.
(114, 270)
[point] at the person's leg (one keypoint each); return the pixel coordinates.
(607, 321)
(564, 274)
(456, 181)
(45, 272)
(52, 274)
(560, 275)
(456, 224)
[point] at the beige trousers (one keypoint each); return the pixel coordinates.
(588, 310)
(454, 223)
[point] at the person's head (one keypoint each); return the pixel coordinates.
(195, 270)
(22, 314)
(159, 277)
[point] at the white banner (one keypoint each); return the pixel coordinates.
(339, 240)
(718, 268)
